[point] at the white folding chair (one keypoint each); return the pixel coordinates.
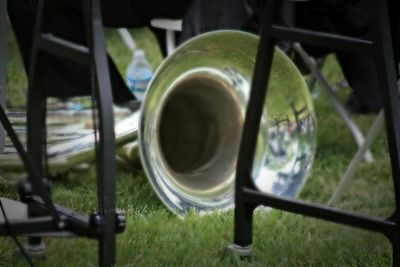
(338, 106)
(363, 143)
(169, 25)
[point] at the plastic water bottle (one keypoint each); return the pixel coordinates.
(139, 74)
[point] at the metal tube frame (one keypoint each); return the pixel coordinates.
(247, 197)
(49, 218)
(373, 131)
(3, 63)
(337, 105)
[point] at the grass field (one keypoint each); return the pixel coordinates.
(155, 237)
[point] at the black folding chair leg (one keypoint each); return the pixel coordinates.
(248, 197)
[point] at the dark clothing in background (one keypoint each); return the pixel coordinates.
(208, 15)
(67, 78)
(348, 17)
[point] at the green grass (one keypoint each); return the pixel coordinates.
(155, 237)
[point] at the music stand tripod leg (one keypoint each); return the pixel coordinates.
(243, 207)
(3, 63)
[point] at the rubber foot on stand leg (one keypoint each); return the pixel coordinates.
(36, 251)
(238, 252)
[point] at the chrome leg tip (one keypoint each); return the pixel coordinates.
(238, 252)
(37, 251)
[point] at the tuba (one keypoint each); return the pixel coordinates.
(189, 127)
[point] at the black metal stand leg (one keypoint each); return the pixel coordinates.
(395, 250)
(243, 226)
(36, 123)
(244, 210)
(106, 182)
(384, 60)
(243, 234)
(3, 63)
(35, 118)
(35, 248)
(379, 46)
(103, 225)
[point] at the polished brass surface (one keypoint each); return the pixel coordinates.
(192, 120)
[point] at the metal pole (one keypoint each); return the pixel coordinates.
(355, 162)
(351, 125)
(3, 63)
